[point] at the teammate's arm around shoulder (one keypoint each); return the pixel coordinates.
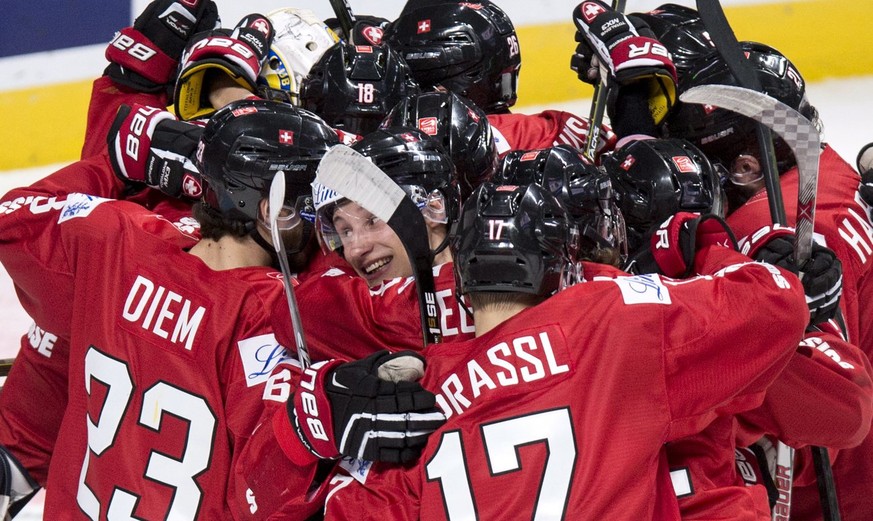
(728, 333)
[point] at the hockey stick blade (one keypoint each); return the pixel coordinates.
(277, 201)
(797, 131)
(355, 177)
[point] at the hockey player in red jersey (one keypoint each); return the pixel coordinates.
(654, 178)
(841, 220)
(198, 360)
(143, 61)
(511, 395)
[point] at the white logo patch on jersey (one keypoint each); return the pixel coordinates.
(643, 289)
(79, 205)
(260, 355)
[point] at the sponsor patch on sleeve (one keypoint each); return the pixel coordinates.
(79, 205)
(357, 468)
(643, 289)
(260, 355)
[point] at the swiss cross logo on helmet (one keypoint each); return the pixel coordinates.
(590, 10)
(373, 34)
(191, 186)
(529, 156)
(408, 137)
(472, 115)
(428, 125)
(685, 164)
(423, 26)
(261, 25)
(286, 137)
(472, 6)
(628, 163)
(709, 109)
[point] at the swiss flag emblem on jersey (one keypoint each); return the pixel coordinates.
(428, 125)
(628, 163)
(286, 137)
(590, 10)
(423, 26)
(684, 164)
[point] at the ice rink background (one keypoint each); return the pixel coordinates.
(845, 105)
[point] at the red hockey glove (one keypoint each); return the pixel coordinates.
(608, 39)
(675, 242)
(147, 146)
(821, 275)
(238, 53)
(144, 57)
(369, 409)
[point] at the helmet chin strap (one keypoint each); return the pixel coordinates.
(308, 229)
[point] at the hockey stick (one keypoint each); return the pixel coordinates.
(344, 14)
(805, 142)
(729, 48)
(598, 104)
(277, 201)
(355, 177)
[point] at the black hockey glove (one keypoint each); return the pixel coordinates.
(821, 275)
(675, 242)
(369, 409)
(609, 42)
(238, 53)
(15, 483)
(145, 57)
(149, 147)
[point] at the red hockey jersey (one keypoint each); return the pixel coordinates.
(564, 408)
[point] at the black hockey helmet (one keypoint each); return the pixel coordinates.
(584, 190)
(682, 32)
(516, 239)
(245, 143)
(354, 86)
(414, 161)
(459, 125)
(723, 135)
(655, 178)
(467, 47)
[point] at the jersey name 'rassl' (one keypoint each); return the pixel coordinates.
(525, 359)
(162, 312)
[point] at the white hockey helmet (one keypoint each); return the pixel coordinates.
(300, 40)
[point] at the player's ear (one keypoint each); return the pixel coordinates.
(264, 212)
